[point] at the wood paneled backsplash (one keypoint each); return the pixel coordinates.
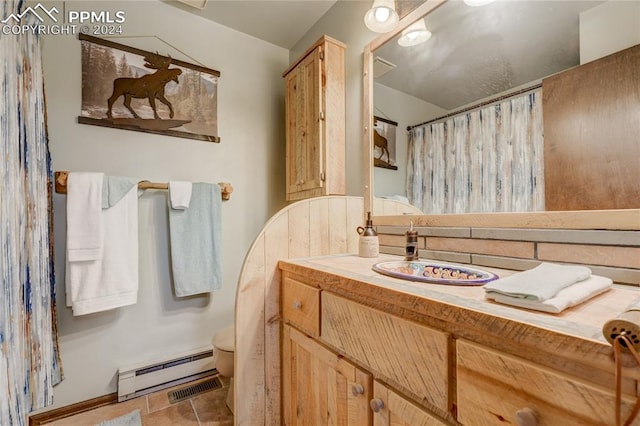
(614, 254)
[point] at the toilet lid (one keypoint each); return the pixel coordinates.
(224, 339)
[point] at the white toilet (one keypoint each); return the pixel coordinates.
(223, 352)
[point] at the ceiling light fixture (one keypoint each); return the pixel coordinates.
(477, 2)
(382, 17)
(415, 33)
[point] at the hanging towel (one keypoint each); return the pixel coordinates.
(566, 298)
(84, 216)
(111, 281)
(114, 188)
(540, 283)
(195, 235)
(179, 194)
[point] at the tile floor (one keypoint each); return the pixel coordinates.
(205, 409)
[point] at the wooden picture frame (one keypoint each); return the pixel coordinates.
(384, 143)
(132, 89)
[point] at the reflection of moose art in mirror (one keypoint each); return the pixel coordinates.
(384, 143)
(132, 89)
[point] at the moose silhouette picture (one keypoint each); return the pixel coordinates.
(150, 86)
(133, 89)
(384, 143)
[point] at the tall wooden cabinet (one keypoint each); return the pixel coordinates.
(315, 122)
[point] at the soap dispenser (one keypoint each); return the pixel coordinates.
(411, 245)
(368, 245)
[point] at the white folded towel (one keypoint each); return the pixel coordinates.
(111, 281)
(179, 194)
(540, 283)
(84, 216)
(566, 298)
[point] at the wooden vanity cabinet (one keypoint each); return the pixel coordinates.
(319, 386)
(315, 122)
(495, 386)
(432, 364)
(409, 356)
(321, 383)
(391, 409)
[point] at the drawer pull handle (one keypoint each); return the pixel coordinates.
(526, 417)
(357, 389)
(296, 304)
(376, 405)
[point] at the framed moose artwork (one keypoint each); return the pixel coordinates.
(384, 143)
(128, 88)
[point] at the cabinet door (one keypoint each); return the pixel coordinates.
(319, 387)
(409, 356)
(304, 115)
(392, 409)
(497, 389)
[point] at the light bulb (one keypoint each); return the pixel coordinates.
(382, 17)
(382, 14)
(415, 33)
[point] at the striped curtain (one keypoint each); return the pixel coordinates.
(29, 362)
(486, 160)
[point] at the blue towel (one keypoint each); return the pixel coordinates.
(114, 188)
(196, 243)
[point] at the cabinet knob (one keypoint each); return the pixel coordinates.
(376, 405)
(296, 304)
(526, 417)
(357, 389)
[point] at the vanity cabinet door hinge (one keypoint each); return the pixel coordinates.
(322, 176)
(321, 53)
(321, 115)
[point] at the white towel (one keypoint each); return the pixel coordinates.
(84, 216)
(111, 281)
(540, 283)
(566, 298)
(180, 194)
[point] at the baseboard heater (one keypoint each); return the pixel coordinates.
(150, 377)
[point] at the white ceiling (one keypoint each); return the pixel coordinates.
(282, 23)
(477, 52)
(499, 46)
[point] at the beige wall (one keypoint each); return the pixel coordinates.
(599, 37)
(250, 156)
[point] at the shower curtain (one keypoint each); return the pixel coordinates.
(486, 160)
(29, 362)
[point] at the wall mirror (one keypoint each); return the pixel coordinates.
(474, 56)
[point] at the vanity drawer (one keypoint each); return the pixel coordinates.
(495, 388)
(411, 357)
(301, 306)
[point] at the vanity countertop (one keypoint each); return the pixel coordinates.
(352, 276)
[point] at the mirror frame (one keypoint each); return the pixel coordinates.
(624, 219)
